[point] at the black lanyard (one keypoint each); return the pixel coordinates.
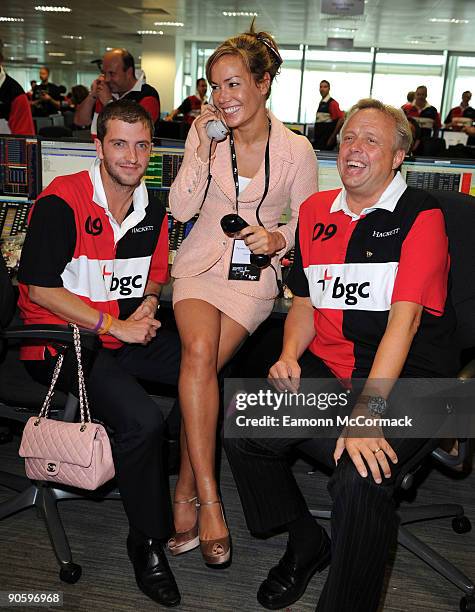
(236, 174)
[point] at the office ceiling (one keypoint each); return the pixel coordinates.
(103, 23)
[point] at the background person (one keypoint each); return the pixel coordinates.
(328, 120)
(462, 111)
(391, 240)
(84, 262)
(411, 95)
(119, 79)
(214, 315)
(15, 112)
(190, 108)
(46, 98)
(424, 113)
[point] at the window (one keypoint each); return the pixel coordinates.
(397, 73)
(284, 100)
(349, 74)
(463, 68)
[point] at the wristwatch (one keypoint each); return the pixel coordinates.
(152, 295)
(377, 405)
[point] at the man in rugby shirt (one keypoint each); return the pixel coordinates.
(96, 254)
(328, 120)
(370, 301)
(119, 79)
(15, 112)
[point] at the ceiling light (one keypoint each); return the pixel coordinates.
(109, 48)
(11, 19)
(53, 9)
(151, 32)
(67, 62)
(15, 59)
(240, 14)
(56, 54)
(175, 24)
(71, 37)
(448, 20)
(86, 52)
(352, 30)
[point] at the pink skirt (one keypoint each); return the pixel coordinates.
(211, 286)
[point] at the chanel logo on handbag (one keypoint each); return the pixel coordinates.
(75, 454)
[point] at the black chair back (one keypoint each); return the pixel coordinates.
(459, 213)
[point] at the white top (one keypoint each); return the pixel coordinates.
(243, 182)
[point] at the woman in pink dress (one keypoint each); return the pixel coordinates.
(257, 172)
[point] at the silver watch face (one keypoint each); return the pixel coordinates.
(377, 405)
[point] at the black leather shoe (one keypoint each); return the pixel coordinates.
(152, 572)
(287, 581)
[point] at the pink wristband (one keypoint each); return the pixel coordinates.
(99, 323)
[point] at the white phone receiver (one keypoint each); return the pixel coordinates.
(216, 129)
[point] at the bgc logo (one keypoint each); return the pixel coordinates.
(124, 285)
(351, 292)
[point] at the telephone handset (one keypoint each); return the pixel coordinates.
(216, 129)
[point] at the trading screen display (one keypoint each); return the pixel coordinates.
(59, 158)
(163, 167)
(328, 175)
(19, 163)
(20, 183)
(441, 175)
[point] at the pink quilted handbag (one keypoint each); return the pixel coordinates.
(74, 454)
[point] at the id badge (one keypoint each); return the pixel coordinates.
(240, 267)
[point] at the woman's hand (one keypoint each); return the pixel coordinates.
(208, 113)
(260, 241)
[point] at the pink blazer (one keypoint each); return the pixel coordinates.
(293, 178)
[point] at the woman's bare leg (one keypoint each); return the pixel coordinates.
(209, 339)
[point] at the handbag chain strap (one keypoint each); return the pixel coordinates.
(83, 401)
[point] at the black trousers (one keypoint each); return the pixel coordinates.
(363, 512)
(119, 400)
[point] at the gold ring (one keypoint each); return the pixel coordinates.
(376, 451)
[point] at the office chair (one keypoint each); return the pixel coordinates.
(459, 213)
(55, 131)
(45, 496)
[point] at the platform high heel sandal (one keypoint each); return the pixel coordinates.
(183, 541)
(216, 553)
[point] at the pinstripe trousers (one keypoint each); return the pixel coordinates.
(363, 519)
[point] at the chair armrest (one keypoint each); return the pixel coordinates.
(468, 371)
(53, 333)
(449, 460)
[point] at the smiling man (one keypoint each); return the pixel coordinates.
(96, 254)
(370, 301)
(119, 79)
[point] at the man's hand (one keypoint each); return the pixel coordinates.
(147, 308)
(285, 374)
(100, 89)
(260, 241)
(372, 448)
(134, 331)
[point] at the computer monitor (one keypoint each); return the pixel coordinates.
(19, 163)
(296, 127)
(438, 174)
(60, 157)
(328, 176)
(163, 167)
(20, 183)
